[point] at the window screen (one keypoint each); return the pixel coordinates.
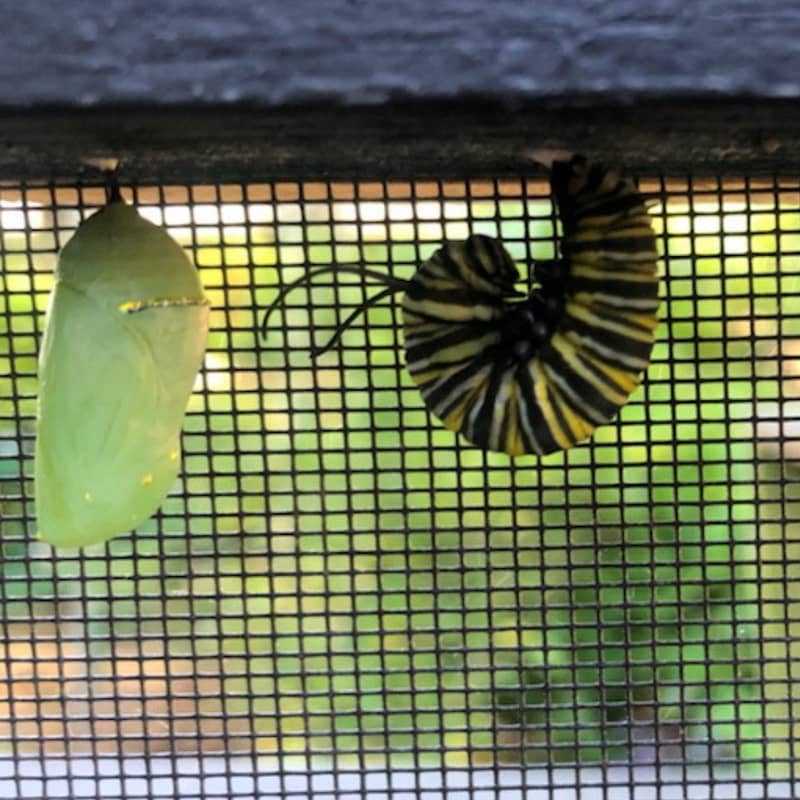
(341, 599)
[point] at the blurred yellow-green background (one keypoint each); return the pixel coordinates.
(337, 576)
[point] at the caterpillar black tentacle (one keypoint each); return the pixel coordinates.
(398, 286)
(538, 374)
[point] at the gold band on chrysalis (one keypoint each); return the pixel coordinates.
(135, 306)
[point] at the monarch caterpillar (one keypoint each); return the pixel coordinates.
(538, 373)
(124, 337)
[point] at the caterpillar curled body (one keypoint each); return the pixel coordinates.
(537, 373)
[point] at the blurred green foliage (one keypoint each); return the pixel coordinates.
(365, 583)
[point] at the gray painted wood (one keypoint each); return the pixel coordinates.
(272, 53)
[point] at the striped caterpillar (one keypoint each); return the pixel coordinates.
(535, 373)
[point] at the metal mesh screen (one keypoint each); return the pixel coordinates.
(341, 599)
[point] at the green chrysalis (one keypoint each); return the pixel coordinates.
(124, 338)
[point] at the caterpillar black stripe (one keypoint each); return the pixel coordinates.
(538, 373)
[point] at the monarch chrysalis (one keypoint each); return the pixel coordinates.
(124, 338)
(540, 372)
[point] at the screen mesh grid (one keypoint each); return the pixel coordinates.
(341, 599)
